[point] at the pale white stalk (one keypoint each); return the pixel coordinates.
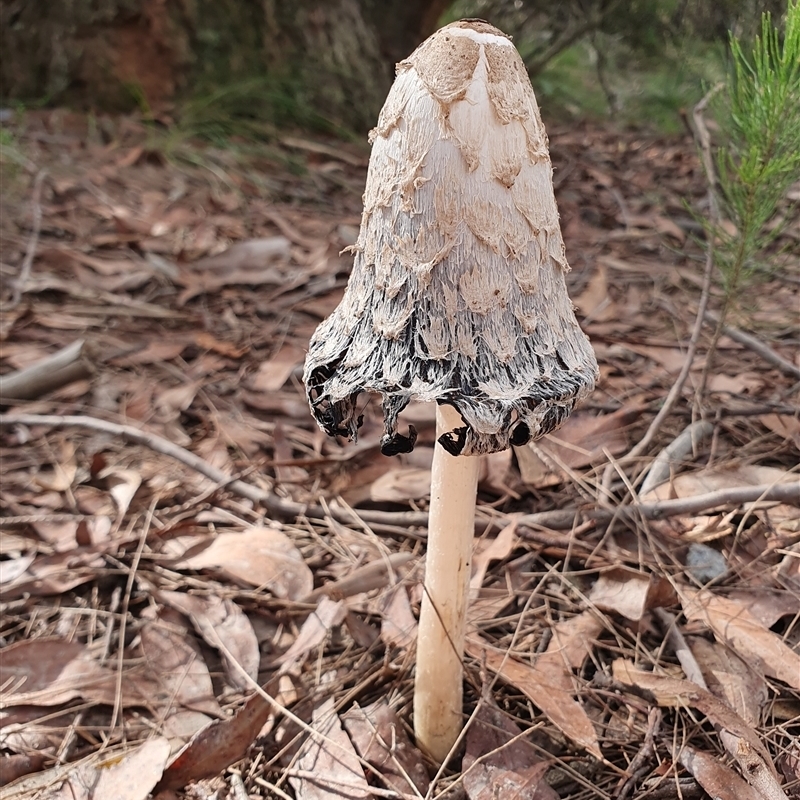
(438, 688)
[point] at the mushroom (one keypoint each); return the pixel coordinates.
(457, 295)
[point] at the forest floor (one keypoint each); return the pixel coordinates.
(189, 566)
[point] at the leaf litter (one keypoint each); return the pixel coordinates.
(143, 602)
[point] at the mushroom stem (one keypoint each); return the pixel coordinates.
(438, 687)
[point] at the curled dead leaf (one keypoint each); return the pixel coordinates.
(631, 593)
(221, 622)
(381, 739)
(499, 762)
(733, 624)
(262, 557)
(327, 765)
(549, 682)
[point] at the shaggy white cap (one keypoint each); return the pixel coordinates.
(457, 292)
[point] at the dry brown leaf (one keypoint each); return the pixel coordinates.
(488, 604)
(373, 575)
(16, 765)
(181, 726)
(221, 621)
(495, 549)
(178, 398)
(94, 531)
(381, 739)
(738, 738)
(666, 226)
(55, 574)
(217, 746)
(765, 605)
(207, 341)
(581, 441)
(12, 568)
(494, 476)
(313, 633)
(252, 254)
(328, 768)
(594, 301)
(743, 383)
(701, 481)
(130, 775)
(631, 593)
(155, 352)
(62, 475)
(783, 425)
(61, 536)
(718, 779)
(731, 679)
(670, 358)
(362, 632)
(493, 768)
(34, 729)
(401, 485)
(788, 763)
(175, 665)
(677, 693)
(49, 672)
(239, 431)
(398, 624)
(282, 449)
(277, 404)
(733, 624)
(122, 485)
(549, 682)
(262, 557)
(274, 372)
(208, 282)
(688, 484)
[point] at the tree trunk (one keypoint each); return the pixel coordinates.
(335, 57)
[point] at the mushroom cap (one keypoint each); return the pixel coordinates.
(457, 292)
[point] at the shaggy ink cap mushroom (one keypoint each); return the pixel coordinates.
(457, 292)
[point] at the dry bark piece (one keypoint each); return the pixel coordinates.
(457, 292)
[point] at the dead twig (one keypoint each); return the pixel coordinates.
(33, 241)
(561, 519)
(675, 639)
(151, 440)
(123, 617)
(757, 346)
(71, 363)
(639, 765)
(683, 445)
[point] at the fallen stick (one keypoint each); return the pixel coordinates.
(757, 346)
(70, 364)
(671, 456)
(560, 519)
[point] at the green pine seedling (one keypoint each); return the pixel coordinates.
(759, 116)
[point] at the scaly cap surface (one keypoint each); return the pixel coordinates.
(457, 292)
